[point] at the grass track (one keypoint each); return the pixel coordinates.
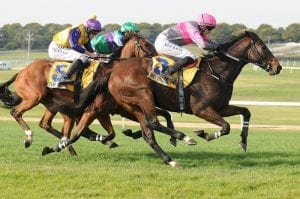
(270, 168)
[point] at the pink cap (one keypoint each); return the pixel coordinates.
(206, 20)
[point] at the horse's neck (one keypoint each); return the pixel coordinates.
(225, 69)
(230, 65)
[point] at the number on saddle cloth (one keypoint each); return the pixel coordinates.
(161, 64)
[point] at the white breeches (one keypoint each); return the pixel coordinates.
(58, 52)
(163, 46)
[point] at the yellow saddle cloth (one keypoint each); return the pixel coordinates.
(60, 68)
(162, 63)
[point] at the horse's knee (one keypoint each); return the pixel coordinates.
(226, 129)
(246, 114)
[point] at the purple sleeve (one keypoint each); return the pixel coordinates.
(73, 40)
(88, 47)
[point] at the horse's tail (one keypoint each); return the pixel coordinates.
(87, 96)
(8, 97)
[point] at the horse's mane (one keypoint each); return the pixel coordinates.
(130, 35)
(226, 45)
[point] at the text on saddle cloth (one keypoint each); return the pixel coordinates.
(59, 70)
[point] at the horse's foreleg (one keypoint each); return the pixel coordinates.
(170, 125)
(210, 115)
(231, 110)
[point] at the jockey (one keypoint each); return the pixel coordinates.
(171, 40)
(111, 42)
(73, 44)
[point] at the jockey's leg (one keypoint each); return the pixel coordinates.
(179, 65)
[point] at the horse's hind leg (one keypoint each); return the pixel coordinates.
(159, 112)
(46, 123)
(17, 112)
(105, 121)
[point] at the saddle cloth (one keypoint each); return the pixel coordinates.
(60, 68)
(162, 63)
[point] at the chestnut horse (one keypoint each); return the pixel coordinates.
(31, 89)
(207, 97)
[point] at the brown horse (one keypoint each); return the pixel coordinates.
(207, 97)
(31, 89)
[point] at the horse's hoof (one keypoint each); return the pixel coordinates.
(243, 146)
(175, 165)
(173, 141)
(46, 151)
(192, 142)
(113, 145)
(27, 143)
(127, 132)
(72, 150)
(189, 141)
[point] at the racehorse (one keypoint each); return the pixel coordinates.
(207, 96)
(31, 89)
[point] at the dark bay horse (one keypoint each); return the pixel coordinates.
(31, 89)
(207, 97)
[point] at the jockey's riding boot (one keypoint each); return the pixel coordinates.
(179, 65)
(75, 66)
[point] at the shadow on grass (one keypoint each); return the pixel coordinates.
(252, 159)
(230, 160)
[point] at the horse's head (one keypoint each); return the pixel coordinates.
(253, 50)
(137, 46)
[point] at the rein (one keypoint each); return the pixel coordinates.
(217, 76)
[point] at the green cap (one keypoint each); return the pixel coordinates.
(129, 26)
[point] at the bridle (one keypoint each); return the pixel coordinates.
(140, 47)
(252, 50)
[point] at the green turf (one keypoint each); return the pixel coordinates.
(219, 169)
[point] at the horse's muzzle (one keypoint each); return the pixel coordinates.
(274, 70)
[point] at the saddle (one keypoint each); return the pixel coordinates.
(81, 79)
